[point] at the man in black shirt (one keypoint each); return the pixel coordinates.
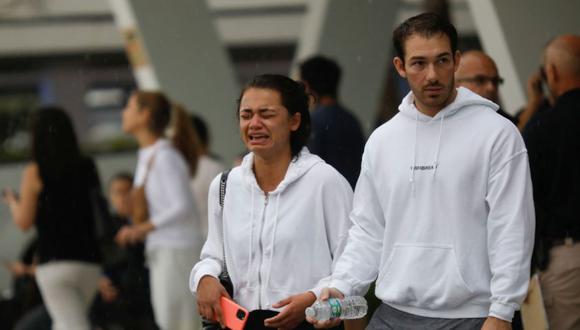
(554, 152)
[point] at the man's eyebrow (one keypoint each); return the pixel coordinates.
(444, 54)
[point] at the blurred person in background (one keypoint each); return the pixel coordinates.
(208, 167)
(57, 197)
(124, 300)
(172, 234)
(478, 72)
(25, 296)
(279, 202)
(336, 136)
(553, 143)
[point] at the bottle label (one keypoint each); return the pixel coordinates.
(335, 308)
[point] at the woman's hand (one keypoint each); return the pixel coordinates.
(9, 196)
(293, 314)
(123, 237)
(129, 235)
(209, 292)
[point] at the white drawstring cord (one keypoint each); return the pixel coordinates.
(436, 162)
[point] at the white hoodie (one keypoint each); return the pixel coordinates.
(280, 244)
(170, 200)
(443, 213)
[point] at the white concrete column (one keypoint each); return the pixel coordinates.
(173, 46)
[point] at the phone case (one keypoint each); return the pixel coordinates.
(235, 316)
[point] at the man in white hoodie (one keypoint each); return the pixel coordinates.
(443, 214)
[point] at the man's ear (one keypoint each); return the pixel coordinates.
(552, 73)
(400, 67)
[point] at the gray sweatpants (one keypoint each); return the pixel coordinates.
(389, 318)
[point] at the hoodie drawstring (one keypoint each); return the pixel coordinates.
(412, 177)
(435, 157)
(436, 161)
(272, 245)
(252, 221)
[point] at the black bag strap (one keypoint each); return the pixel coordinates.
(223, 185)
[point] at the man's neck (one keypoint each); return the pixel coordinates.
(567, 86)
(433, 111)
(327, 101)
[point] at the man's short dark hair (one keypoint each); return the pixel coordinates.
(122, 176)
(425, 25)
(322, 75)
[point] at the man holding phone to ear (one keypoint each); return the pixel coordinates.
(443, 211)
(554, 149)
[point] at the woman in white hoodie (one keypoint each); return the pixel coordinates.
(285, 214)
(173, 231)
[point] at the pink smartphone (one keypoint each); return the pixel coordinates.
(235, 316)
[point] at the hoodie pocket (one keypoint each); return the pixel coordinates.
(423, 276)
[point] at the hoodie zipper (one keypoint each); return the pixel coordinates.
(267, 198)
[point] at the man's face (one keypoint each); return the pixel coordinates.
(478, 73)
(120, 196)
(429, 66)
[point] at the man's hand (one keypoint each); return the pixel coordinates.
(327, 293)
(493, 323)
(107, 290)
(209, 293)
(293, 314)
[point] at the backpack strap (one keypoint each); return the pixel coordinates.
(223, 184)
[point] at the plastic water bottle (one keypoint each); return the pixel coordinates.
(348, 308)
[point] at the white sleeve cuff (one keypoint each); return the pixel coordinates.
(201, 270)
(341, 286)
(502, 311)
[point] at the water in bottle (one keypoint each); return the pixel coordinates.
(348, 308)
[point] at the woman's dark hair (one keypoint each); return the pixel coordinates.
(294, 99)
(55, 147)
(425, 25)
(164, 115)
(159, 107)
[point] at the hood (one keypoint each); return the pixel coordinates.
(299, 166)
(464, 98)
